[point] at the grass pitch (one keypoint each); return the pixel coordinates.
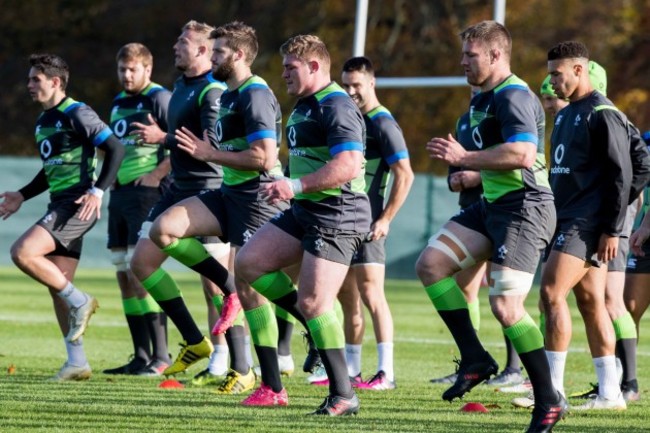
(32, 350)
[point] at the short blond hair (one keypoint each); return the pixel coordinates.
(202, 29)
(307, 47)
(135, 52)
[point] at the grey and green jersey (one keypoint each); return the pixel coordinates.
(128, 108)
(511, 112)
(194, 104)
(591, 168)
(385, 146)
(247, 114)
(66, 137)
(319, 127)
(464, 136)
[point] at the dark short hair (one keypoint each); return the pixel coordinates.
(359, 64)
(568, 50)
(51, 66)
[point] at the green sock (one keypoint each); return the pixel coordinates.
(326, 331)
(624, 327)
(132, 307)
(217, 301)
(474, 314)
(274, 285)
(161, 286)
(263, 326)
(284, 315)
(525, 335)
(149, 305)
(446, 295)
(188, 251)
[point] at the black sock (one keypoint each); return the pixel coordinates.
(285, 329)
(179, 314)
(460, 326)
(268, 357)
(289, 302)
(337, 372)
(626, 351)
(236, 338)
(140, 336)
(217, 273)
(157, 324)
(512, 361)
(539, 372)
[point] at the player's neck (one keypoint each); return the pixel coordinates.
(137, 92)
(238, 77)
(55, 100)
(197, 69)
(372, 103)
(497, 77)
(581, 92)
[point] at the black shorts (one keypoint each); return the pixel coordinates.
(577, 237)
(63, 223)
(639, 265)
(239, 214)
(170, 197)
(518, 235)
(370, 252)
(128, 208)
(326, 243)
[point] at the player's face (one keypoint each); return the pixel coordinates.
(476, 62)
(133, 75)
(298, 75)
(552, 104)
(359, 86)
(186, 50)
(564, 77)
(40, 87)
(223, 63)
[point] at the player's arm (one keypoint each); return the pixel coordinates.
(12, 200)
(640, 163)
(402, 182)
(640, 236)
(510, 155)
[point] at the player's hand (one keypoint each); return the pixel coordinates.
(277, 191)
(607, 247)
(11, 203)
(148, 134)
(150, 180)
(190, 143)
(90, 205)
(638, 238)
(379, 229)
(447, 150)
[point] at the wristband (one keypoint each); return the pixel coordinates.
(96, 192)
(296, 186)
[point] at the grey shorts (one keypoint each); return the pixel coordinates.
(63, 223)
(370, 252)
(518, 235)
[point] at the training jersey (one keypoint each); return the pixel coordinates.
(510, 112)
(385, 146)
(319, 127)
(591, 170)
(464, 136)
(247, 114)
(128, 108)
(66, 137)
(194, 104)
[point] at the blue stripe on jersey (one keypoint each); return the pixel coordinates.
(343, 147)
(404, 154)
(646, 137)
(335, 93)
(524, 136)
(513, 87)
(382, 114)
(258, 135)
(73, 106)
(255, 86)
(102, 136)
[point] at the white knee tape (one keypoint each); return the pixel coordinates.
(145, 229)
(118, 258)
(510, 282)
(129, 255)
(217, 250)
(448, 243)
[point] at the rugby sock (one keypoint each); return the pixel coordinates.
(330, 341)
(164, 290)
(608, 386)
(138, 328)
(529, 344)
(248, 350)
(264, 333)
(76, 353)
(385, 359)
(353, 359)
(557, 363)
(72, 296)
(626, 338)
(452, 307)
(278, 288)
(192, 253)
(235, 336)
(285, 329)
(475, 314)
(512, 360)
(157, 324)
(218, 363)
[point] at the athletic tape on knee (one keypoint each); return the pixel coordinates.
(510, 282)
(448, 243)
(119, 259)
(217, 250)
(145, 229)
(129, 256)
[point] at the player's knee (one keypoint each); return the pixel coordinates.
(119, 260)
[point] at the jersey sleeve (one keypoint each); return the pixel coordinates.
(160, 100)
(516, 114)
(391, 140)
(259, 108)
(640, 162)
(87, 123)
(343, 125)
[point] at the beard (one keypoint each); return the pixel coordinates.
(225, 70)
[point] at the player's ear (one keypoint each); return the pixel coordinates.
(314, 66)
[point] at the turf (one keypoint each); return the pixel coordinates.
(32, 351)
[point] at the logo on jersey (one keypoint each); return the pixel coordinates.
(319, 244)
(558, 119)
(45, 148)
(577, 120)
(58, 125)
(476, 136)
(120, 128)
(503, 251)
(139, 107)
(292, 137)
(191, 95)
(560, 240)
(558, 156)
(218, 130)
